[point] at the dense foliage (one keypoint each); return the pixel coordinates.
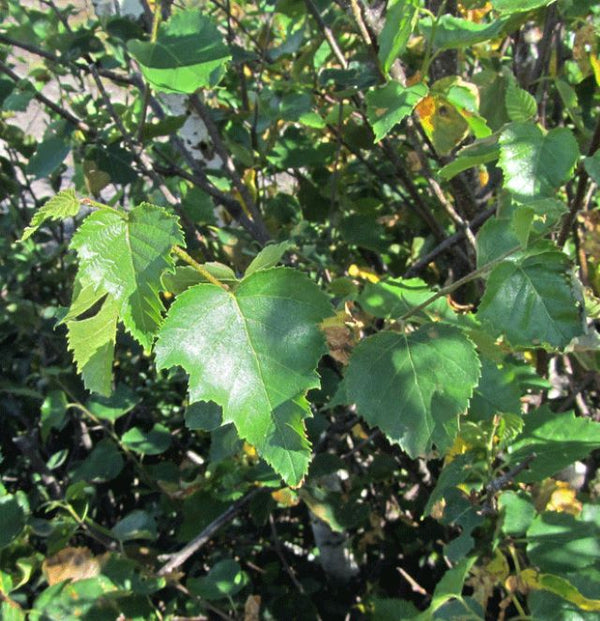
(298, 305)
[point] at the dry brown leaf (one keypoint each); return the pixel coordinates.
(71, 564)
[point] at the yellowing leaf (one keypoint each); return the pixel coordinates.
(339, 337)
(559, 586)
(362, 272)
(286, 497)
(442, 123)
(70, 564)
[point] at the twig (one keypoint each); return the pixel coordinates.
(414, 585)
(580, 193)
(495, 485)
(281, 555)
(324, 28)
(177, 559)
(65, 114)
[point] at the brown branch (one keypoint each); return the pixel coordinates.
(177, 559)
(327, 33)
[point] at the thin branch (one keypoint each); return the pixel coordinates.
(177, 559)
(577, 203)
(65, 114)
(280, 554)
(327, 33)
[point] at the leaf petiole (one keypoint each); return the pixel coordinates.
(182, 254)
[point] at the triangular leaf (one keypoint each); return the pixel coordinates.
(63, 205)
(189, 53)
(414, 386)
(268, 257)
(254, 352)
(124, 255)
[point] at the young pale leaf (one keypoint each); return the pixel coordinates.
(268, 257)
(388, 105)
(63, 205)
(557, 438)
(414, 386)
(188, 54)
(254, 352)
(530, 299)
(400, 21)
(535, 164)
(124, 255)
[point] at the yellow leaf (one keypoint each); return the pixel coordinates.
(286, 497)
(557, 496)
(362, 272)
(339, 337)
(559, 586)
(71, 564)
(442, 123)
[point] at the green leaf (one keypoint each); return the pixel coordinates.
(122, 401)
(153, 442)
(185, 276)
(557, 438)
(520, 105)
(49, 155)
(481, 152)
(254, 352)
(104, 463)
(224, 580)
(12, 519)
(204, 415)
(517, 511)
(53, 413)
(530, 298)
(92, 341)
(559, 542)
(124, 255)
(519, 6)
(451, 32)
(451, 584)
(135, 525)
(414, 386)
(189, 53)
(400, 21)
(268, 257)
(388, 105)
(63, 205)
(498, 391)
(535, 164)
(592, 166)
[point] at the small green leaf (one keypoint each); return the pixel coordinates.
(49, 155)
(479, 153)
(530, 298)
(254, 352)
(224, 580)
(204, 415)
(268, 257)
(388, 105)
(517, 511)
(64, 205)
(535, 164)
(53, 413)
(153, 442)
(520, 105)
(188, 54)
(135, 525)
(122, 401)
(414, 386)
(400, 21)
(592, 166)
(451, 584)
(557, 438)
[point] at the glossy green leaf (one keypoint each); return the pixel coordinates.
(135, 525)
(559, 542)
(400, 21)
(557, 438)
(519, 6)
(124, 255)
(529, 299)
(253, 351)
(414, 386)
(188, 54)
(388, 105)
(62, 205)
(535, 164)
(153, 442)
(451, 32)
